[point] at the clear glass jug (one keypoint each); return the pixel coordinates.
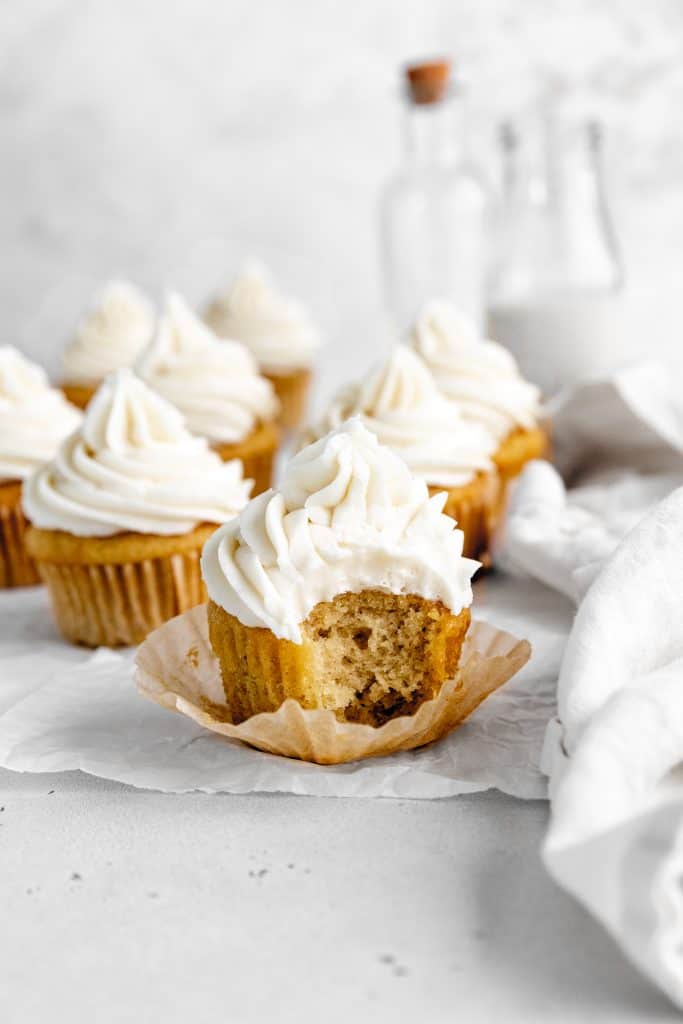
(434, 208)
(556, 275)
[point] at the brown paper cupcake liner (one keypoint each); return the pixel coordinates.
(257, 454)
(176, 668)
(17, 569)
(119, 604)
(292, 392)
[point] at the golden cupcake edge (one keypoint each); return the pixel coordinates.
(17, 568)
(368, 657)
(78, 394)
(474, 507)
(292, 390)
(257, 453)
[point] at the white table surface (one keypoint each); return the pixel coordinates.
(124, 905)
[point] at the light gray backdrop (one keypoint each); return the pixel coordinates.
(165, 141)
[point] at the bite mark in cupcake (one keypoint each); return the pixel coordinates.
(346, 589)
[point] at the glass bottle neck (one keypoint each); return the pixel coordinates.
(430, 133)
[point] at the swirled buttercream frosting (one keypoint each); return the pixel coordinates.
(34, 418)
(480, 375)
(276, 329)
(110, 335)
(348, 516)
(133, 466)
(401, 403)
(215, 384)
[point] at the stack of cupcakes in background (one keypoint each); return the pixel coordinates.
(120, 514)
(277, 330)
(186, 422)
(34, 419)
(111, 335)
(217, 387)
(482, 377)
(401, 404)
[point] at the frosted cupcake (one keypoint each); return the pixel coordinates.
(110, 335)
(34, 419)
(345, 589)
(217, 387)
(120, 514)
(482, 377)
(276, 329)
(400, 403)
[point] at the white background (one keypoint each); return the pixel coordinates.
(166, 141)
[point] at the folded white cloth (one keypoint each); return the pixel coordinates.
(613, 541)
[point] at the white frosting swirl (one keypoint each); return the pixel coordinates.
(110, 335)
(480, 375)
(401, 403)
(34, 418)
(276, 329)
(133, 466)
(348, 516)
(215, 384)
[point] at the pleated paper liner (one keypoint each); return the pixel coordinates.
(474, 507)
(17, 569)
(177, 668)
(113, 605)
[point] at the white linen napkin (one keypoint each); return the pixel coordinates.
(613, 541)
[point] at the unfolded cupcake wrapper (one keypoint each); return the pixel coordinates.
(16, 568)
(119, 604)
(176, 668)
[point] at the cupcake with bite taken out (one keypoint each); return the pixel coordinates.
(277, 330)
(34, 419)
(483, 378)
(217, 387)
(111, 335)
(401, 404)
(345, 589)
(119, 515)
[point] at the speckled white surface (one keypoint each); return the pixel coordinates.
(406, 910)
(302, 909)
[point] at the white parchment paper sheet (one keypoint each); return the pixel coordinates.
(62, 708)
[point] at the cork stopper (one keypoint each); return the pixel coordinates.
(428, 80)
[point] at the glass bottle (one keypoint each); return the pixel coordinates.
(434, 208)
(556, 277)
